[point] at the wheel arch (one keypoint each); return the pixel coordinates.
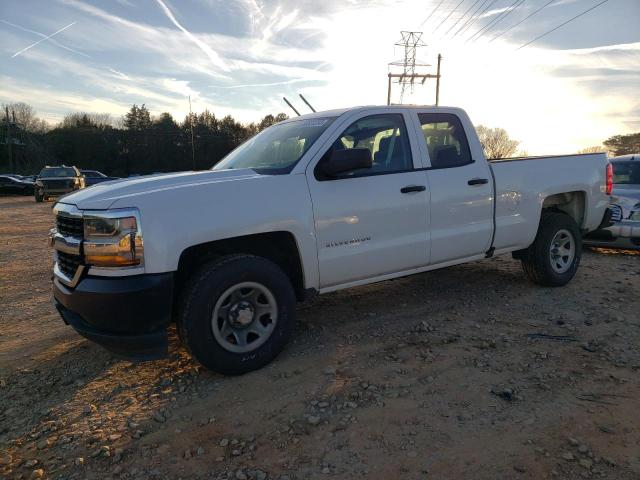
(572, 203)
(280, 247)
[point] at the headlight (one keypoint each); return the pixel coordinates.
(635, 216)
(113, 239)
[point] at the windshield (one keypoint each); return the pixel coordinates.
(57, 172)
(277, 149)
(626, 173)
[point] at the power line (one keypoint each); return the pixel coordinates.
(479, 15)
(562, 24)
(497, 20)
(463, 15)
(432, 12)
(473, 14)
(447, 17)
(521, 21)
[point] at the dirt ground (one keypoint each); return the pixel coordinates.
(446, 375)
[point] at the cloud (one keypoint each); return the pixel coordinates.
(20, 52)
(213, 56)
(51, 40)
(271, 84)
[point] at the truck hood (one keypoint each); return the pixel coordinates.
(103, 195)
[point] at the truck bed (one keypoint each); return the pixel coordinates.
(522, 186)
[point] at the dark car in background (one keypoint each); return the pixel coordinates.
(56, 181)
(625, 206)
(15, 185)
(92, 177)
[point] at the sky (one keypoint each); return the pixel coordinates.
(569, 90)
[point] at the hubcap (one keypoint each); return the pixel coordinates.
(562, 251)
(241, 314)
(244, 317)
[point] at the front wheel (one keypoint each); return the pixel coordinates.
(553, 258)
(38, 196)
(237, 313)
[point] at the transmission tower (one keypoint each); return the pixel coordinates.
(410, 42)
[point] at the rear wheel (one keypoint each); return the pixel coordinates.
(237, 313)
(553, 258)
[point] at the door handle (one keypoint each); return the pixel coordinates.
(478, 181)
(413, 188)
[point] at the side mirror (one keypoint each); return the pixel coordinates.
(342, 161)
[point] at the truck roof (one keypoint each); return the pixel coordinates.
(632, 156)
(340, 111)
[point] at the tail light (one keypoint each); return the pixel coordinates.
(609, 179)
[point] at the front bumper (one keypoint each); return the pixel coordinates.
(128, 316)
(56, 191)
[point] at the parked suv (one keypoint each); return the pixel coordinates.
(56, 181)
(625, 207)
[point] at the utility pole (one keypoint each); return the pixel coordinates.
(9, 139)
(410, 42)
(438, 81)
(193, 148)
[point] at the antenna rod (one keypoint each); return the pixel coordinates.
(292, 107)
(308, 104)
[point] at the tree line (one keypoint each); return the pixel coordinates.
(138, 143)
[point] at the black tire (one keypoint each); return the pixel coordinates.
(201, 295)
(39, 198)
(536, 260)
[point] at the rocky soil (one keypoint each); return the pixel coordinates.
(470, 372)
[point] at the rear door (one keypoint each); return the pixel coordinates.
(461, 190)
(371, 222)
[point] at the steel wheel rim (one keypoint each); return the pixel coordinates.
(244, 317)
(562, 251)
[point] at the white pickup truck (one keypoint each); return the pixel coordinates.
(313, 204)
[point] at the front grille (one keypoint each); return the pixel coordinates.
(68, 263)
(57, 184)
(70, 226)
(616, 213)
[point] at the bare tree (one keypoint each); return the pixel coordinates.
(496, 142)
(26, 116)
(594, 149)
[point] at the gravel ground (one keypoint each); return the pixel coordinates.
(469, 372)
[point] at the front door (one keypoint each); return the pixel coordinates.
(371, 222)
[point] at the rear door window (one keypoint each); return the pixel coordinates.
(446, 140)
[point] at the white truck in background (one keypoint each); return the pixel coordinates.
(316, 203)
